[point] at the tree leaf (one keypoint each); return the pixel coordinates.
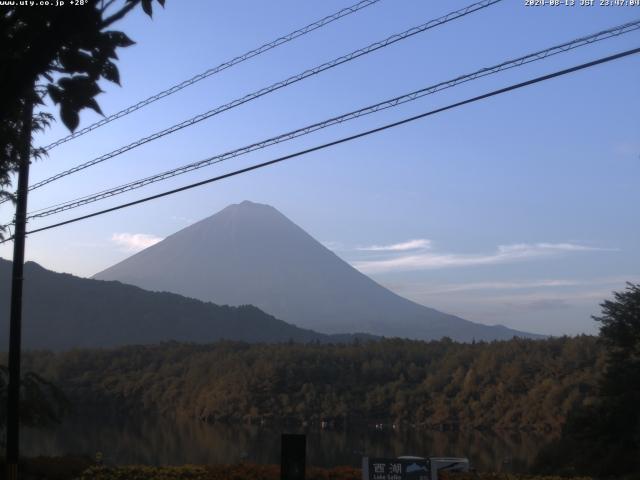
(79, 62)
(93, 105)
(146, 6)
(69, 117)
(105, 46)
(119, 39)
(79, 87)
(55, 93)
(110, 72)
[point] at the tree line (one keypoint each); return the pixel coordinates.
(519, 384)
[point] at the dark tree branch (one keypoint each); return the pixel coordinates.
(119, 14)
(105, 6)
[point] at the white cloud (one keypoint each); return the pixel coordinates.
(536, 284)
(504, 254)
(455, 288)
(134, 242)
(540, 304)
(533, 298)
(464, 287)
(416, 244)
(541, 248)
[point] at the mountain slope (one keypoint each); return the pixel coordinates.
(252, 254)
(62, 311)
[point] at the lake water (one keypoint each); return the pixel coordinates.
(162, 441)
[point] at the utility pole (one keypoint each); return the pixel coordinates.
(15, 325)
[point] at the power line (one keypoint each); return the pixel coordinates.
(276, 86)
(212, 71)
(344, 139)
(529, 58)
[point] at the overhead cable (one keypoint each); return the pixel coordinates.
(390, 103)
(342, 140)
(276, 86)
(212, 71)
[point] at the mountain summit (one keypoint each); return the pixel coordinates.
(250, 253)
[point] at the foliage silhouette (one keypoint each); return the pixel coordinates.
(602, 436)
(58, 52)
(42, 403)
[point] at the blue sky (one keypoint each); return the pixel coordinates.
(520, 210)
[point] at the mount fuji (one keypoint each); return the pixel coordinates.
(251, 254)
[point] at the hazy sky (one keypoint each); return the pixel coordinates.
(520, 210)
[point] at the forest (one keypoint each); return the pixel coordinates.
(528, 385)
(579, 390)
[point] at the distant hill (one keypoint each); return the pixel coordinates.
(252, 254)
(62, 311)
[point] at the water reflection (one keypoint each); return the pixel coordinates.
(162, 441)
